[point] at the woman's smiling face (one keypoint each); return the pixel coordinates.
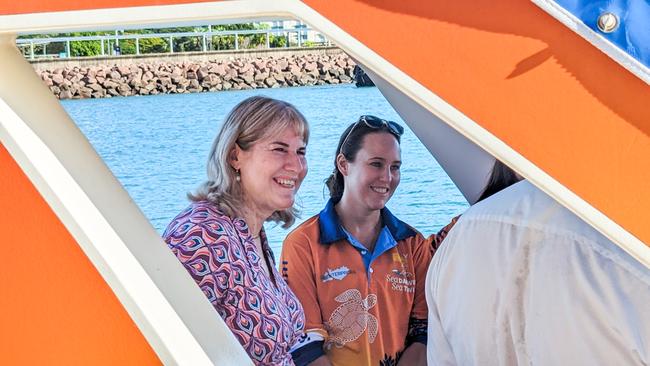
(374, 175)
(272, 171)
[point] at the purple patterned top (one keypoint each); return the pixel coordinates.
(219, 253)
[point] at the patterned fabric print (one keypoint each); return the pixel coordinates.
(417, 330)
(348, 321)
(219, 253)
(390, 360)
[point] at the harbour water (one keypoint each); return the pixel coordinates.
(157, 147)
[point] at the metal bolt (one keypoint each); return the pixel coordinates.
(607, 22)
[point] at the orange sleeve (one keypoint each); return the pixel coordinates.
(436, 239)
(421, 259)
(298, 271)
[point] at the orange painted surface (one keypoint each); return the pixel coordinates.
(533, 83)
(55, 309)
(40, 6)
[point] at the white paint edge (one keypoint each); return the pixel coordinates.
(475, 133)
(603, 44)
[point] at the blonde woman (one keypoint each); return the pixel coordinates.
(255, 167)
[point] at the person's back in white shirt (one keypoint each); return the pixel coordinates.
(521, 280)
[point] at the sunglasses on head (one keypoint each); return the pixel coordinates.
(375, 123)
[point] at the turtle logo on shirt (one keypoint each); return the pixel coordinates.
(348, 321)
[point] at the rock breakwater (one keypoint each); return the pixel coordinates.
(103, 81)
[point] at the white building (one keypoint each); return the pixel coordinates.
(292, 25)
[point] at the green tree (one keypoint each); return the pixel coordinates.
(247, 41)
(85, 48)
(181, 44)
(81, 48)
(153, 45)
(278, 40)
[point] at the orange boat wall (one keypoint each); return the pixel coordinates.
(531, 82)
(55, 307)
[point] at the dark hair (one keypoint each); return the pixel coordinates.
(353, 140)
(501, 177)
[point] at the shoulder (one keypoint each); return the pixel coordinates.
(414, 242)
(521, 200)
(437, 239)
(202, 216)
(308, 231)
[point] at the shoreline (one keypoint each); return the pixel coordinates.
(192, 73)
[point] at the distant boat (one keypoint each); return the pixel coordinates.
(86, 279)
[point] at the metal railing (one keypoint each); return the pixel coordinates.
(110, 44)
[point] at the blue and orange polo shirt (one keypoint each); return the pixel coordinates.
(361, 307)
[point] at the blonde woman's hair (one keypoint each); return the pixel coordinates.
(252, 120)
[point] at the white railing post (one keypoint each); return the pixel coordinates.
(268, 40)
(31, 50)
(171, 45)
(137, 45)
(210, 46)
(117, 45)
(205, 43)
(236, 41)
(67, 49)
